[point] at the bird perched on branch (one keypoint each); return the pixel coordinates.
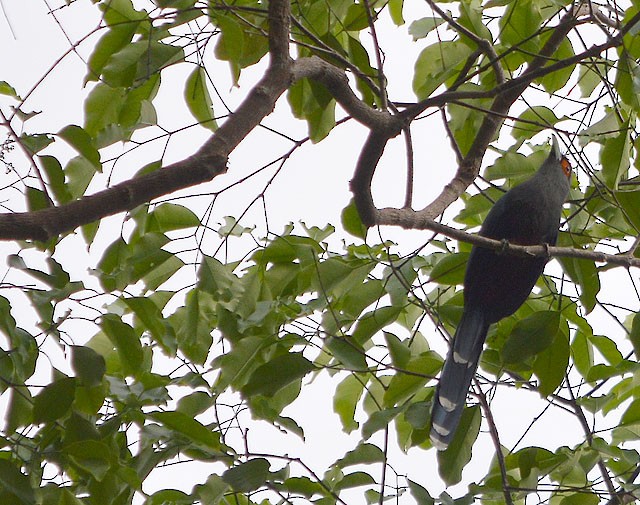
(496, 285)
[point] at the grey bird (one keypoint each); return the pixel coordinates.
(496, 285)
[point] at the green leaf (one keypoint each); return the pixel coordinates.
(116, 38)
(139, 60)
(93, 456)
(363, 454)
(379, 420)
(126, 342)
(519, 25)
(280, 371)
(17, 484)
(188, 427)
(582, 353)
(79, 172)
(199, 100)
(351, 221)
(399, 351)
(345, 400)
(395, 9)
(373, 321)
(436, 64)
(102, 108)
(452, 461)
(355, 479)
(348, 352)
(212, 490)
(550, 366)
(591, 75)
(420, 494)
(412, 378)
(80, 140)
(36, 199)
(532, 121)
(20, 409)
(36, 142)
(607, 348)
(56, 178)
(450, 269)
(194, 333)
(626, 81)
(418, 415)
(118, 12)
(303, 486)
(630, 205)
(531, 336)
(231, 41)
(420, 28)
(247, 476)
(195, 403)
(585, 274)
(170, 216)
(558, 79)
(511, 165)
(169, 497)
(54, 401)
(634, 335)
(8, 90)
(615, 157)
(88, 365)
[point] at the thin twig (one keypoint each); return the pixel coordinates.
(382, 80)
(496, 442)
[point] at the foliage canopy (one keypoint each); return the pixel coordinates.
(186, 335)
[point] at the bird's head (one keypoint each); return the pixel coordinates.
(557, 156)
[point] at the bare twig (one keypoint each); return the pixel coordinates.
(482, 398)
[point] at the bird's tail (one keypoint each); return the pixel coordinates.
(455, 379)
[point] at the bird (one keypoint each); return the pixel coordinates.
(496, 285)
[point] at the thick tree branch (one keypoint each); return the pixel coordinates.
(337, 83)
(204, 165)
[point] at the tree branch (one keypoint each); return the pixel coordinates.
(208, 162)
(410, 219)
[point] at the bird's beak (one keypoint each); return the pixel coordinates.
(555, 148)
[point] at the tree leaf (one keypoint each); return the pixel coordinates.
(88, 365)
(530, 336)
(363, 454)
(452, 461)
(348, 352)
(550, 365)
(126, 342)
(188, 427)
(269, 378)
(450, 269)
(16, 483)
(54, 401)
(82, 142)
(247, 476)
(436, 64)
(614, 157)
(345, 400)
(199, 100)
(532, 121)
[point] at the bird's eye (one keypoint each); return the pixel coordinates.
(566, 167)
